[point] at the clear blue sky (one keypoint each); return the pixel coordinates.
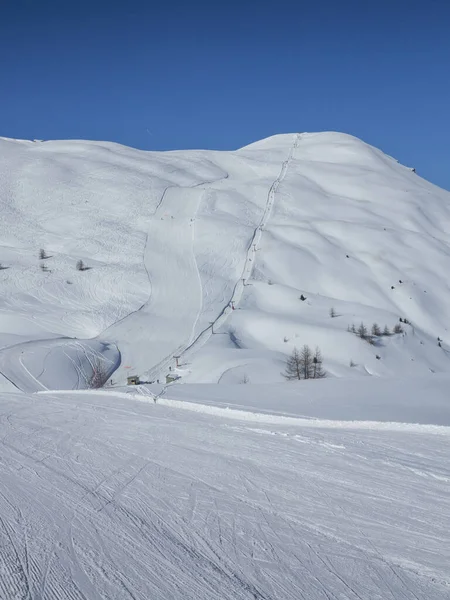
(161, 74)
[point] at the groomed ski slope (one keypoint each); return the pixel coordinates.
(173, 240)
(104, 496)
(132, 215)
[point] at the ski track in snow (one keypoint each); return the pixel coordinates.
(82, 354)
(175, 215)
(171, 275)
(105, 497)
(176, 209)
(238, 290)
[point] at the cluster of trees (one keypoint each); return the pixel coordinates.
(304, 364)
(376, 331)
(80, 266)
(42, 256)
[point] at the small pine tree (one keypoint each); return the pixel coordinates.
(362, 331)
(386, 330)
(352, 364)
(317, 369)
(376, 330)
(398, 328)
(80, 265)
(293, 366)
(353, 328)
(332, 313)
(306, 362)
(43, 267)
(42, 254)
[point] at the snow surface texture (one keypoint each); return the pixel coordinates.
(106, 497)
(328, 490)
(173, 240)
(420, 400)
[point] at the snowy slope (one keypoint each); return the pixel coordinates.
(173, 239)
(419, 400)
(319, 490)
(103, 496)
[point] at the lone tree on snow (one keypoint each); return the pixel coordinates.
(304, 364)
(332, 313)
(80, 265)
(42, 254)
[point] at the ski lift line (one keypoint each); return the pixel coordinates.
(238, 289)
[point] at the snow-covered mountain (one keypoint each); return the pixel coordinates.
(193, 264)
(174, 240)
